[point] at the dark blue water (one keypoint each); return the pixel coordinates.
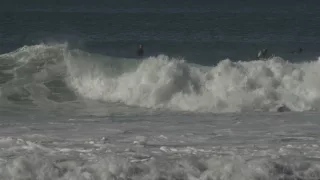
(203, 32)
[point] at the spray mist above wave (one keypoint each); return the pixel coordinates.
(45, 74)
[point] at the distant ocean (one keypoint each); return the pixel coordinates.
(77, 103)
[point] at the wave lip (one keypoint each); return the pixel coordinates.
(43, 74)
(33, 74)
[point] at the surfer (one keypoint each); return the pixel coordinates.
(262, 53)
(140, 50)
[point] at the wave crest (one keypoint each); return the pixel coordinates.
(160, 81)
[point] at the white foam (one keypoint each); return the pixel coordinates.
(7, 142)
(264, 146)
(161, 82)
(224, 168)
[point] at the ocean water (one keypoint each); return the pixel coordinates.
(77, 103)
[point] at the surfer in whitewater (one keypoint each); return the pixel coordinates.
(262, 53)
(140, 50)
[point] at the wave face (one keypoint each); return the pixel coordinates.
(50, 74)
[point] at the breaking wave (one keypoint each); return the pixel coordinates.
(46, 74)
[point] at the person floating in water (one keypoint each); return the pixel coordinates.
(140, 50)
(262, 53)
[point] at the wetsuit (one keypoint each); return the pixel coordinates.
(140, 52)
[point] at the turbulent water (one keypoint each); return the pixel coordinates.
(80, 115)
(76, 103)
(45, 75)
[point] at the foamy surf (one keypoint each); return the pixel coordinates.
(44, 74)
(186, 147)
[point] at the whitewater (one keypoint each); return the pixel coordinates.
(52, 73)
(68, 114)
